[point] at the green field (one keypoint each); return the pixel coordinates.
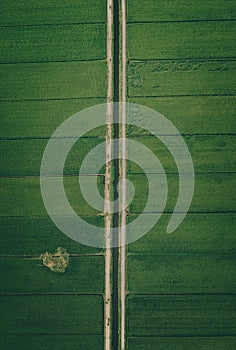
(23, 157)
(180, 40)
(52, 314)
(181, 286)
(181, 315)
(40, 118)
(34, 235)
(32, 12)
(52, 65)
(179, 10)
(47, 43)
(181, 78)
(178, 343)
(61, 342)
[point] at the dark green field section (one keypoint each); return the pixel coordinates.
(213, 192)
(52, 314)
(84, 275)
(39, 119)
(182, 40)
(199, 235)
(23, 157)
(52, 43)
(181, 286)
(33, 12)
(60, 342)
(193, 315)
(22, 196)
(181, 78)
(52, 65)
(180, 10)
(209, 154)
(193, 114)
(33, 236)
(182, 273)
(177, 343)
(53, 80)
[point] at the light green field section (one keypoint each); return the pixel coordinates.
(213, 192)
(193, 114)
(59, 80)
(210, 39)
(178, 78)
(178, 343)
(180, 10)
(209, 154)
(189, 315)
(52, 43)
(23, 157)
(52, 314)
(32, 236)
(39, 119)
(22, 196)
(33, 12)
(27, 275)
(60, 342)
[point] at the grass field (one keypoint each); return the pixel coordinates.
(32, 12)
(40, 118)
(52, 65)
(181, 62)
(181, 287)
(179, 10)
(47, 43)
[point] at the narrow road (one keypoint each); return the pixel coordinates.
(123, 165)
(108, 215)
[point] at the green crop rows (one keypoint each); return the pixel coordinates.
(181, 287)
(52, 65)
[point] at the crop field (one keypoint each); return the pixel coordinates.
(52, 65)
(181, 286)
(178, 289)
